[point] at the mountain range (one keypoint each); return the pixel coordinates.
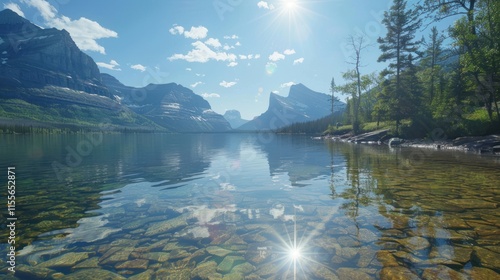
(170, 105)
(46, 80)
(302, 104)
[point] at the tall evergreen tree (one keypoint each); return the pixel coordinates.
(396, 46)
(332, 99)
(433, 55)
(411, 103)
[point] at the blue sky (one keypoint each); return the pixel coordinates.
(234, 53)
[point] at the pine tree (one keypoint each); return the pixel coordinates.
(396, 46)
(433, 55)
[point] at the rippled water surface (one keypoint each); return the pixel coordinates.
(247, 206)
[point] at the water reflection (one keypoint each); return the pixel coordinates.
(209, 206)
(435, 214)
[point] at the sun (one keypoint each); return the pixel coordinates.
(290, 5)
(295, 253)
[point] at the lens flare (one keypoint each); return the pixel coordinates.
(271, 68)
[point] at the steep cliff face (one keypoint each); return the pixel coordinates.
(34, 57)
(169, 105)
(46, 81)
(301, 105)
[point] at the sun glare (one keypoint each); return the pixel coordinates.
(295, 253)
(290, 4)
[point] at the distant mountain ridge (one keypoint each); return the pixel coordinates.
(169, 105)
(234, 118)
(46, 78)
(302, 104)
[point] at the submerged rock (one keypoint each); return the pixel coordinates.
(146, 275)
(487, 258)
(268, 270)
(387, 259)
(351, 273)
(346, 241)
(90, 263)
(397, 273)
(118, 256)
(454, 253)
(244, 268)
(228, 263)
(415, 243)
(442, 272)
(481, 273)
(366, 255)
(66, 260)
(206, 270)
(154, 256)
(169, 225)
(471, 203)
(218, 251)
(133, 264)
(92, 274)
(173, 273)
(29, 272)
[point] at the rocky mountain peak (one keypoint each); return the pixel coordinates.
(36, 57)
(10, 22)
(234, 118)
(302, 104)
(232, 114)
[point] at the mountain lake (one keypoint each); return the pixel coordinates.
(244, 206)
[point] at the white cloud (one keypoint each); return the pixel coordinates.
(210, 95)
(112, 65)
(231, 37)
(199, 32)
(265, 5)
(138, 67)
(237, 44)
(298, 61)
(196, 84)
(232, 64)
(48, 11)
(227, 84)
(84, 31)
(249, 56)
(14, 7)
(176, 30)
(189, 69)
(200, 75)
(227, 47)
(213, 43)
(289, 84)
(202, 53)
(289, 52)
(276, 56)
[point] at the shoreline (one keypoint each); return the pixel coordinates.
(483, 145)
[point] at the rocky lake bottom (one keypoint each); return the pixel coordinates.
(288, 209)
